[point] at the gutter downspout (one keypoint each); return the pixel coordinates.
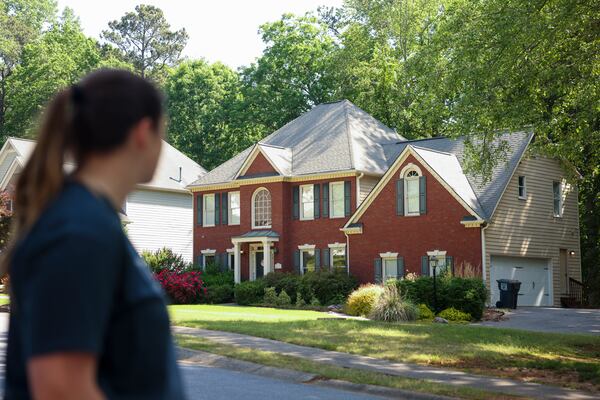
(484, 256)
(347, 253)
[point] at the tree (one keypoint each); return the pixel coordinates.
(21, 21)
(206, 116)
(293, 73)
(146, 39)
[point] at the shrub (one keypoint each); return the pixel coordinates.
(283, 299)
(219, 294)
(393, 307)
(182, 287)
(314, 302)
(270, 297)
(249, 292)
(284, 281)
(218, 278)
(362, 300)
(327, 286)
(165, 259)
(452, 314)
(425, 312)
(300, 301)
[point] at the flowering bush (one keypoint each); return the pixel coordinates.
(182, 287)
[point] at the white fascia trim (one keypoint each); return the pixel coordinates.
(9, 173)
(250, 159)
(208, 251)
(336, 245)
(388, 255)
(306, 247)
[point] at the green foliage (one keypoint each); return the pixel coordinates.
(283, 300)
(215, 277)
(393, 307)
(270, 297)
(314, 302)
(249, 292)
(454, 315)
(284, 281)
(299, 300)
(363, 300)
(327, 286)
(425, 313)
(146, 40)
(165, 259)
(466, 294)
(219, 294)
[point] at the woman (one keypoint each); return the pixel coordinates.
(87, 319)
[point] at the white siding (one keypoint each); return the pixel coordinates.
(528, 228)
(6, 163)
(367, 183)
(161, 219)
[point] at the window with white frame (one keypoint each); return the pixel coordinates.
(336, 194)
(234, 208)
(522, 188)
(338, 256)
(261, 209)
(208, 258)
(307, 199)
(411, 192)
(307, 260)
(390, 265)
(441, 264)
(557, 198)
(208, 209)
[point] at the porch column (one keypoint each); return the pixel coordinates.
(237, 259)
(266, 256)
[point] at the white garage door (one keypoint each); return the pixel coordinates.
(531, 272)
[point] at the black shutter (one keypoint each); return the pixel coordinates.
(297, 262)
(378, 273)
(325, 200)
(326, 258)
(295, 202)
(201, 261)
(400, 197)
(422, 195)
(199, 209)
(317, 200)
(347, 198)
(317, 259)
(217, 208)
(399, 267)
(224, 208)
(425, 265)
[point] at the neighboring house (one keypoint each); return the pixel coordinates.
(335, 188)
(158, 214)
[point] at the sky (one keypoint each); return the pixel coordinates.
(221, 30)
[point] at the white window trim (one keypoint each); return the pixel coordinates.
(405, 171)
(337, 245)
(253, 206)
(387, 257)
(331, 208)
(560, 199)
(207, 252)
(204, 223)
(302, 216)
(435, 253)
(229, 214)
(524, 196)
(306, 247)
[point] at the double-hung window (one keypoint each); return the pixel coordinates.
(307, 198)
(338, 257)
(390, 268)
(336, 193)
(557, 198)
(522, 188)
(234, 208)
(308, 260)
(208, 209)
(411, 190)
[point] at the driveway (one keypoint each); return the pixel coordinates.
(548, 319)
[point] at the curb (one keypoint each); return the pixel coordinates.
(197, 357)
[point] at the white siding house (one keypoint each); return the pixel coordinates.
(158, 214)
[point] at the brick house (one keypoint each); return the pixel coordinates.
(337, 189)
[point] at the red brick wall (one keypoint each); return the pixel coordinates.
(412, 237)
(260, 165)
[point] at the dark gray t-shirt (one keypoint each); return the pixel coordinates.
(78, 285)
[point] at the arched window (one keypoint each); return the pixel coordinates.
(261, 208)
(411, 192)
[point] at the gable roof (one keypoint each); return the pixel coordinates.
(330, 137)
(166, 176)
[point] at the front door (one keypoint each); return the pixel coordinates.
(258, 261)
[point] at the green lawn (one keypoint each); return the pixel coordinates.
(4, 299)
(568, 360)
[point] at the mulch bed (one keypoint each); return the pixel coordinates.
(494, 315)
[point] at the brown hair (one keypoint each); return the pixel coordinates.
(93, 116)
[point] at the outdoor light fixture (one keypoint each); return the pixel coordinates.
(433, 262)
(572, 252)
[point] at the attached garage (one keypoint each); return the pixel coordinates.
(533, 273)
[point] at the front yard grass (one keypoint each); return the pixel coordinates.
(559, 359)
(332, 372)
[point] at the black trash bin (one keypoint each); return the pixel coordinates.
(509, 292)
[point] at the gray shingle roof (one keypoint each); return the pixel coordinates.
(331, 137)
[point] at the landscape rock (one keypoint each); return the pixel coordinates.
(440, 320)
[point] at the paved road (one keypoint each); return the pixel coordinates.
(221, 384)
(548, 319)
